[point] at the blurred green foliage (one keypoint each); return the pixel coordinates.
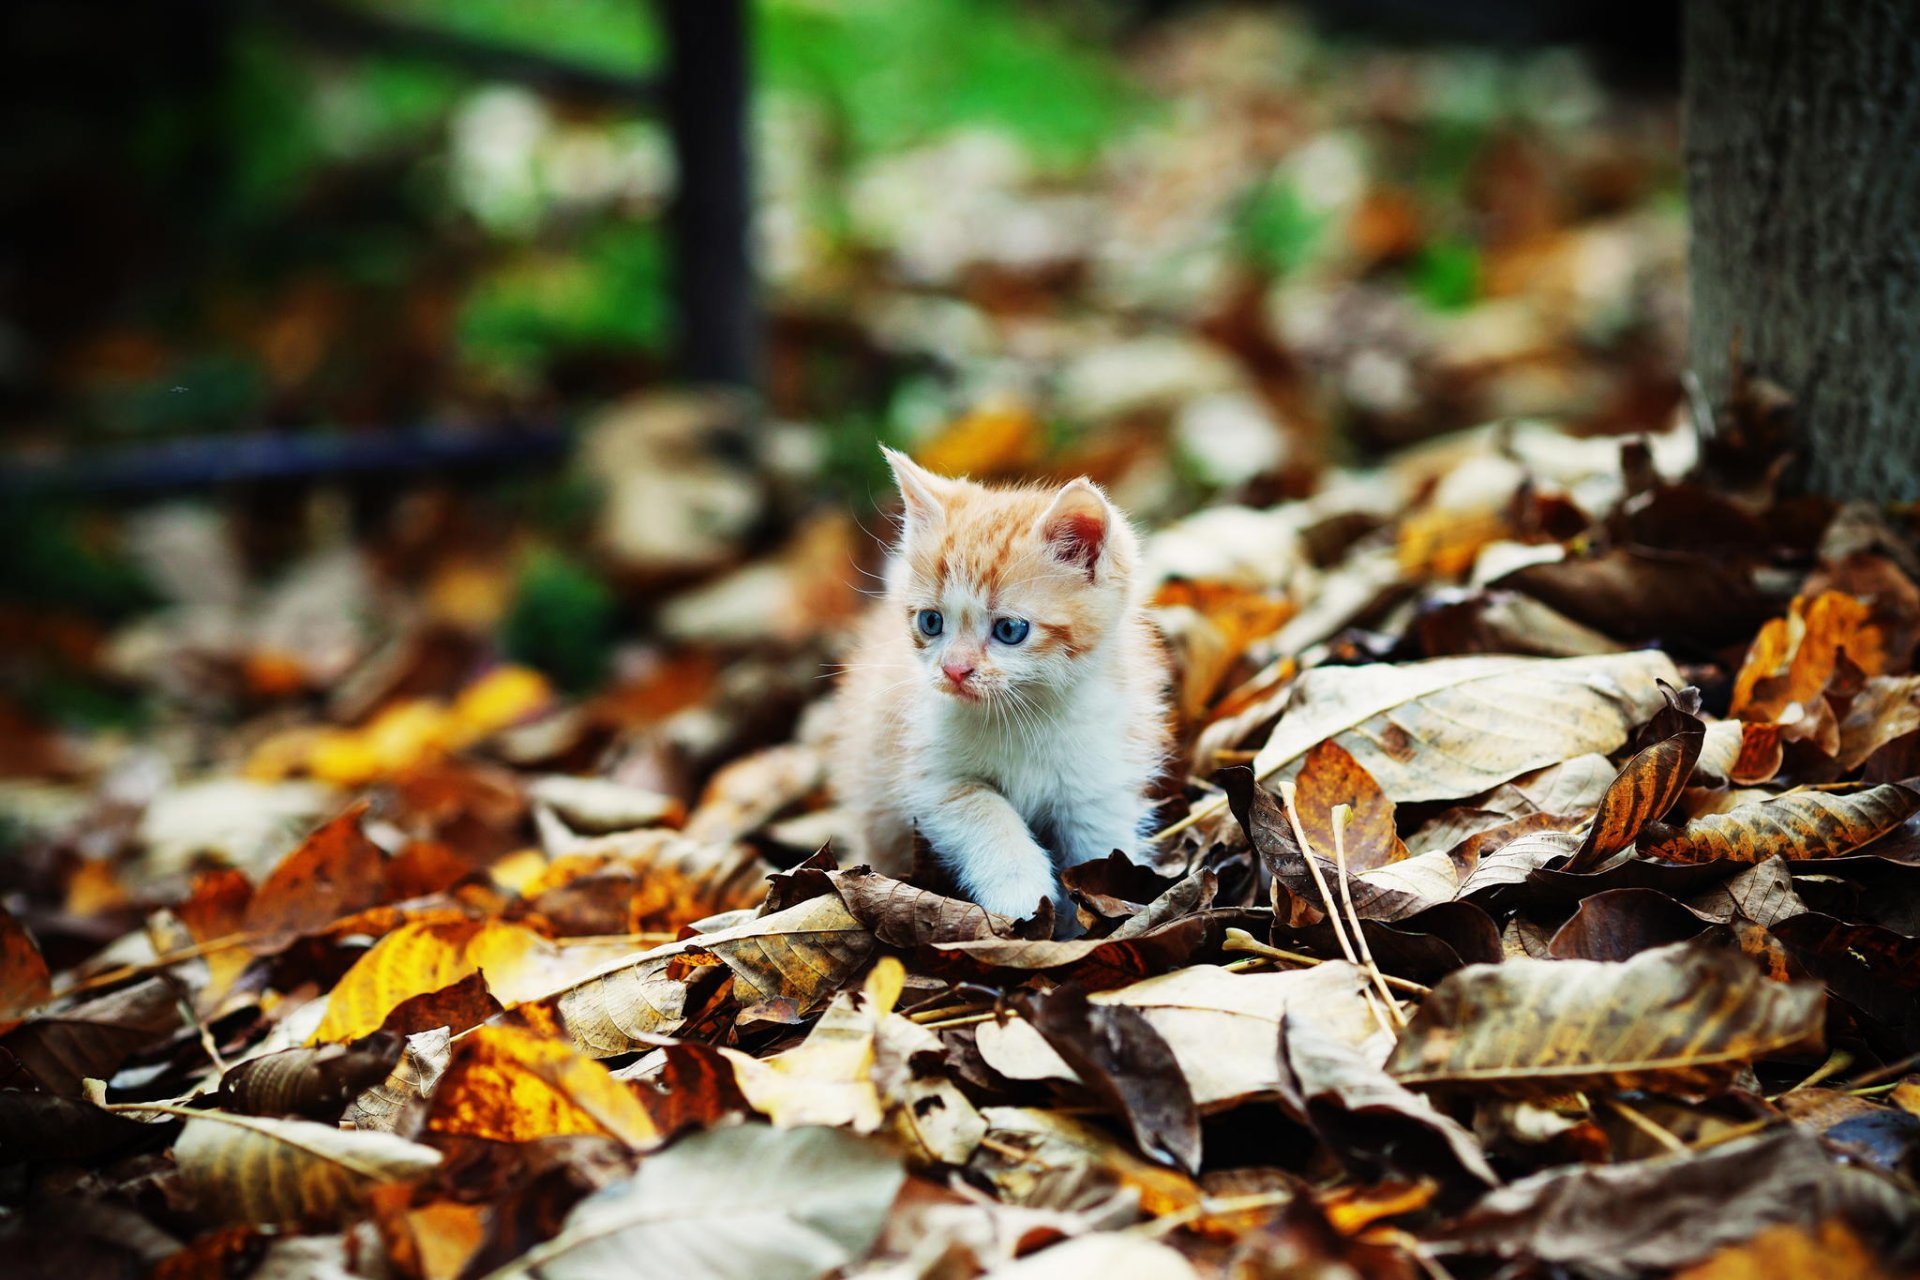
(1276, 229)
(1445, 274)
(562, 620)
(610, 289)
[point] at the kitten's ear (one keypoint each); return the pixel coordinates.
(1077, 526)
(924, 493)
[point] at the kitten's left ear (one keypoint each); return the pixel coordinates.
(1076, 528)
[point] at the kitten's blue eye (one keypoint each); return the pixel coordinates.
(930, 622)
(1011, 630)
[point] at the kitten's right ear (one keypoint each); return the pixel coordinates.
(924, 493)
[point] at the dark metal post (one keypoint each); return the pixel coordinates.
(706, 101)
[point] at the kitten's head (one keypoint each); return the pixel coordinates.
(1006, 591)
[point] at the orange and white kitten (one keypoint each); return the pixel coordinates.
(1006, 700)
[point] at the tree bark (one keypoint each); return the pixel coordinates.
(1803, 187)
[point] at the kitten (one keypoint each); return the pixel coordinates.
(1006, 701)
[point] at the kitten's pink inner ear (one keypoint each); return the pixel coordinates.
(921, 490)
(1076, 525)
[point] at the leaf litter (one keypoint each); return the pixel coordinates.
(1537, 895)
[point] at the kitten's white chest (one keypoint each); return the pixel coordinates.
(1074, 753)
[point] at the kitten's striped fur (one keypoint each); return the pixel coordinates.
(1039, 756)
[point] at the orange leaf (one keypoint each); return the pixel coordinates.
(216, 908)
(1331, 776)
(1793, 658)
(24, 981)
(1648, 784)
(1789, 1252)
(513, 1085)
(335, 871)
(432, 1242)
(1798, 826)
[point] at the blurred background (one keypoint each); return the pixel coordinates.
(378, 377)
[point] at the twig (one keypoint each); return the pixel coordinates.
(1736, 1133)
(122, 972)
(1341, 814)
(1326, 896)
(1199, 813)
(1898, 1067)
(1647, 1125)
(1170, 1222)
(967, 1021)
(1837, 1061)
(1241, 940)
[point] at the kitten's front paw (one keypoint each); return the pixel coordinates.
(1019, 898)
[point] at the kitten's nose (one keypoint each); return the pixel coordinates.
(957, 672)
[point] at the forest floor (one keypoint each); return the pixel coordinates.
(443, 886)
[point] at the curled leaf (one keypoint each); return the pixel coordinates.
(1798, 826)
(250, 1169)
(1681, 1017)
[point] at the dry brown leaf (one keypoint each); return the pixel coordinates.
(250, 1169)
(335, 872)
(742, 1203)
(1887, 707)
(1680, 1017)
(1221, 1025)
(1030, 1152)
(828, 1077)
(1798, 826)
(215, 909)
(61, 1047)
(804, 953)
(508, 1084)
(24, 981)
(1329, 776)
(1454, 727)
(311, 1082)
(1648, 784)
(398, 1103)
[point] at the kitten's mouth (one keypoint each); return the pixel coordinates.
(962, 692)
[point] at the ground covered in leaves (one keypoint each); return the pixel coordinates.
(1505, 943)
(441, 886)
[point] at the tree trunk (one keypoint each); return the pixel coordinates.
(1803, 185)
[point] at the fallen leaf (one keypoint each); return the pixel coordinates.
(64, 1046)
(415, 958)
(1887, 707)
(1682, 1017)
(250, 1169)
(334, 872)
(311, 1082)
(1790, 1251)
(1454, 727)
(1648, 784)
(1800, 826)
(1122, 1059)
(751, 1202)
(1370, 1121)
(1104, 1254)
(802, 953)
(1793, 658)
(1329, 776)
(507, 1084)
(828, 1077)
(1663, 1213)
(24, 981)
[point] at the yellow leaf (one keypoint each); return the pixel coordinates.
(828, 1077)
(511, 1085)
